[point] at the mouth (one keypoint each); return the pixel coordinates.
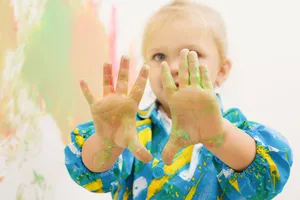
(177, 84)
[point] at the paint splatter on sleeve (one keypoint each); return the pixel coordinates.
(270, 170)
(94, 182)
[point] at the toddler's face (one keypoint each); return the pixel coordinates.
(167, 42)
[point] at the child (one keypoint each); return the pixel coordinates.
(184, 146)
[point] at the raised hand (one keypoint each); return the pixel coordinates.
(195, 111)
(114, 115)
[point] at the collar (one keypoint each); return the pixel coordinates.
(146, 113)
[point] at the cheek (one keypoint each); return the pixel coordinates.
(213, 74)
(213, 68)
(154, 78)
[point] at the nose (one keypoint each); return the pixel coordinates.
(174, 66)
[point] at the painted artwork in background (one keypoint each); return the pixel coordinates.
(8, 37)
(20, 111)
(70, 44)
(45, 57)
(58, 52)
(8, 41)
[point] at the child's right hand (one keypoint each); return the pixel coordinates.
(114, 115)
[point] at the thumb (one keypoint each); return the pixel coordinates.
(169, 151)
(139, 150)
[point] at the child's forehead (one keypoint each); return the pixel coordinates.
(168, 40)
(182, 26)
(180, 30)
(179, 19)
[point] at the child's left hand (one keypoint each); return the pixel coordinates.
(195, 111)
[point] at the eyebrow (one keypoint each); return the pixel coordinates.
(190, 47)
(193, 47)
(156, 50)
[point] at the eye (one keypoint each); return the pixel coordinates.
(159, 57)
(198, 54)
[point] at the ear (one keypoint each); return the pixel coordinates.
(224, 71)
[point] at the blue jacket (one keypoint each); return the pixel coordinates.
(195, 173)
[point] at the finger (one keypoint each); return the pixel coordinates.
(195, 78)
(108, 86)
(87, 92)
(139, 150)
(183, 69)
(168, 84)
(170, 149)
(137, 91)
(205, 77)
(122, 83)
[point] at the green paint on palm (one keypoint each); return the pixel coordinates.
(131, 147)
(109, 143)
(182, 134)
(170, 81)
(102, 157)
(200, 77)
(186, 62)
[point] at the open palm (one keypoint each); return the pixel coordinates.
(114, 115)
(195, 111)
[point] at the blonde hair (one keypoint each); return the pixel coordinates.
(211, 19)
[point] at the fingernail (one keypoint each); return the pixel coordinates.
(125, 58)
(146, 67)
(193, 54)
(107, 63)
(164, 64)
(82, 83)
(184, 52)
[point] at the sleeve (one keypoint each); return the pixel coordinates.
(270, 169)
(92, 181)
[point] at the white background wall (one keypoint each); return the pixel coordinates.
(264, 46)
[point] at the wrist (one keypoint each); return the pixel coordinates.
(238, 149)
(219, 140)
